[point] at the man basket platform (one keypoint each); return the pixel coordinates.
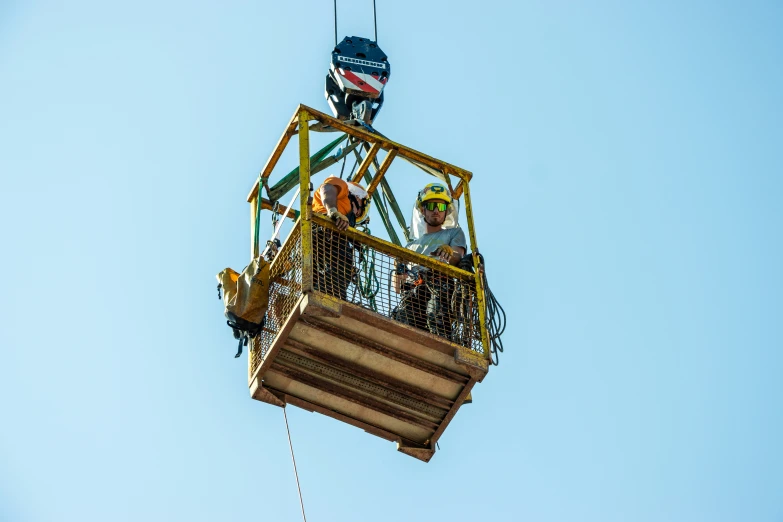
(330, 342)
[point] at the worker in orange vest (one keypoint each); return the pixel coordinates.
(347, 204)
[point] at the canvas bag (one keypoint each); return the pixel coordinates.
(246, 298)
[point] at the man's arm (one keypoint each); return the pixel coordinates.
(457, 256)
(450, 255)
(458, 247)
(329, 201)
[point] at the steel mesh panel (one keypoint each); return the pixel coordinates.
(424, 298)
(362, 274)
(285, 288)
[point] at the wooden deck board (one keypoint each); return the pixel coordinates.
(367, 370)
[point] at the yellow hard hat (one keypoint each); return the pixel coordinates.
(434, 191)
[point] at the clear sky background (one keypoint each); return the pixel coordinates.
(627, 160)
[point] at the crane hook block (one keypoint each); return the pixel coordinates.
(357, 75)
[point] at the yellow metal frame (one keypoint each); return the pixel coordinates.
(299, 124)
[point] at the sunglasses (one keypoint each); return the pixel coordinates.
(432, 205)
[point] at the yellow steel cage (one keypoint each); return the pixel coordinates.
(334, 345)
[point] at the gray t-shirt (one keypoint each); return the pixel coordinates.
(426, 244)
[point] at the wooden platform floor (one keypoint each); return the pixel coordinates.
(359, 367)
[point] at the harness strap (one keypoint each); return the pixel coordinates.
(239, 346)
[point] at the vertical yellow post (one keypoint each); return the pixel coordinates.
(253, 210)
(304, 202)
(479, 287)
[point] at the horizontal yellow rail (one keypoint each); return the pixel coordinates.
(405, 255)
(377, 141)
(387, 144)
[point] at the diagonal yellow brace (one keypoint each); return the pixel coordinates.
(368, 159)
(387, 161)
(278, 151)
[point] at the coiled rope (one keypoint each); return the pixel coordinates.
(496, 320)
(367, 280)
(494, 314)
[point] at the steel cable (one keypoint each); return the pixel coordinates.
(375, 20)
(293, 459)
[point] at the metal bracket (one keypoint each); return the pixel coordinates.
(259, 393)
(422, 453)
(474, 363)
(320, 305)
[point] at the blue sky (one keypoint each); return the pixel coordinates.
(627, 161)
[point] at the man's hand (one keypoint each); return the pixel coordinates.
(444, 253)
(340, 220)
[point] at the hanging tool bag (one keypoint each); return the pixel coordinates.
(246, 298)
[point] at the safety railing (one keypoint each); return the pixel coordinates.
(357, 267)
(285, 289)
(379, 276)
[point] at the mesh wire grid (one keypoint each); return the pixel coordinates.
(285, 288)
(386, 281)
